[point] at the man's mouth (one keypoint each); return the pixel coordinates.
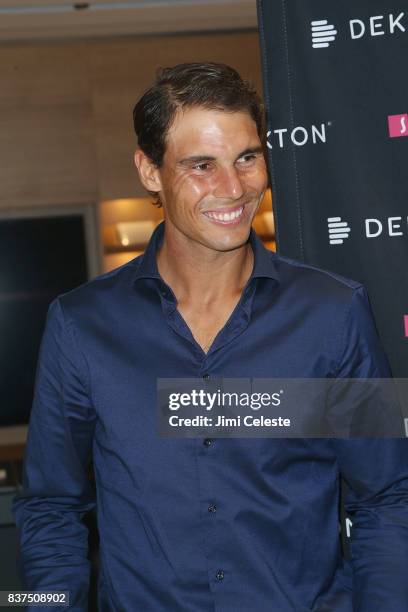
(226, 217)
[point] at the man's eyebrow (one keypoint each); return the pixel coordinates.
(196, 159)
(251, 150)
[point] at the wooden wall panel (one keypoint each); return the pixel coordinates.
(66, 133)
(47, 144)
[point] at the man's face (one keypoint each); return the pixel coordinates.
(213, 177)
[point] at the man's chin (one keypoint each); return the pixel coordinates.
(228, 242)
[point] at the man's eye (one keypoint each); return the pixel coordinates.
(247, 158)
(202, 166)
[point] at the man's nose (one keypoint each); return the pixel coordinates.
(229, 184)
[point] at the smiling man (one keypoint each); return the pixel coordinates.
(211, 179)
(197, 525)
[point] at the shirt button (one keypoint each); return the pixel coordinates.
(212, 508)
(206, 376)
(220, 574)
(207, 442)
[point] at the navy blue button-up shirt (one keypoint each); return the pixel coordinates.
(221, 525)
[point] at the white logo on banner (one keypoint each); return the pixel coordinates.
(338, 230)
(322, 33)
(299, 136)
(377, 25)
(373, 228)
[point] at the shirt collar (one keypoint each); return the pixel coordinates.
(264, 266)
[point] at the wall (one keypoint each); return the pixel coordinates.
(66, 134)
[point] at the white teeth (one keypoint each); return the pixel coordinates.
(225, 216)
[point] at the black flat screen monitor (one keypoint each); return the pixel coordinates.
(41, 256)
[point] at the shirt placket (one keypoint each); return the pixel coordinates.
(219, 563)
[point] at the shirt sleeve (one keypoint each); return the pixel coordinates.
(56, 491)
(376, 474)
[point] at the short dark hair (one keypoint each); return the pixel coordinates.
(209, 85)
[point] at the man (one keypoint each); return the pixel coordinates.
(208, 524)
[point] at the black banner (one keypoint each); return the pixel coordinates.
(337, 105)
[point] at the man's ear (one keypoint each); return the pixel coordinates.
(148, 172)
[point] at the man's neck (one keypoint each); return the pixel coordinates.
(196, 273)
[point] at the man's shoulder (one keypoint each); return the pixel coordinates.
(291, 270)
(319, 287)
(106, 287)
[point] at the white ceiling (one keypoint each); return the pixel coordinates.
(50, 19)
